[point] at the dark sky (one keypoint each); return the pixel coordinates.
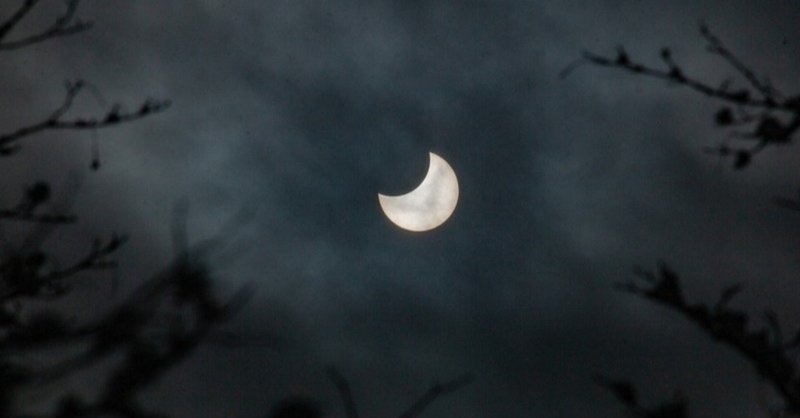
(307, 110)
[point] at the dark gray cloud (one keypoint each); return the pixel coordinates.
(308, 111)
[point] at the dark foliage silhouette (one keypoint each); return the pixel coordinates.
(154, 328)
(759, 116)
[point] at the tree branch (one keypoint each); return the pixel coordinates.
(115, 116)
(64, 25)
(766, 128)
(764, 348)
(16, 17)
(717, 47)
(739, 97)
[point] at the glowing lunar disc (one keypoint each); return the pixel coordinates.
(430, 204)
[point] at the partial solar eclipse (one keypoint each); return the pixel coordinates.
(430, 204)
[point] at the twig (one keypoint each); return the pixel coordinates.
(717, 47)
(16, 17)
(115, 116)
(763, 348)
(64, 25)
(742, 97)
(766, 129)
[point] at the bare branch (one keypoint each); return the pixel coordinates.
(435, 392)
(16, 17)
(763, 348)
(740, 97)
(765, 128)
(115, 116)
(717, 47)
(65, 25)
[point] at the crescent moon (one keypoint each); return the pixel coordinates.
(430, 204)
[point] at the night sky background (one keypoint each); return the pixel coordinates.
(304, 111)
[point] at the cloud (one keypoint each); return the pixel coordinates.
(310, 111)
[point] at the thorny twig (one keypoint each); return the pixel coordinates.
(66, 24)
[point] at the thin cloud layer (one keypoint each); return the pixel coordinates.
(308, 111)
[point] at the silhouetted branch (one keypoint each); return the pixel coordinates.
(150, 346)
(16, 17)
(769, 119)
(717, 47)
(766, 128)
(113, 117)
(147, 360)
(676, 75)
(156, 327)
(64, 25)
(764, 348)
